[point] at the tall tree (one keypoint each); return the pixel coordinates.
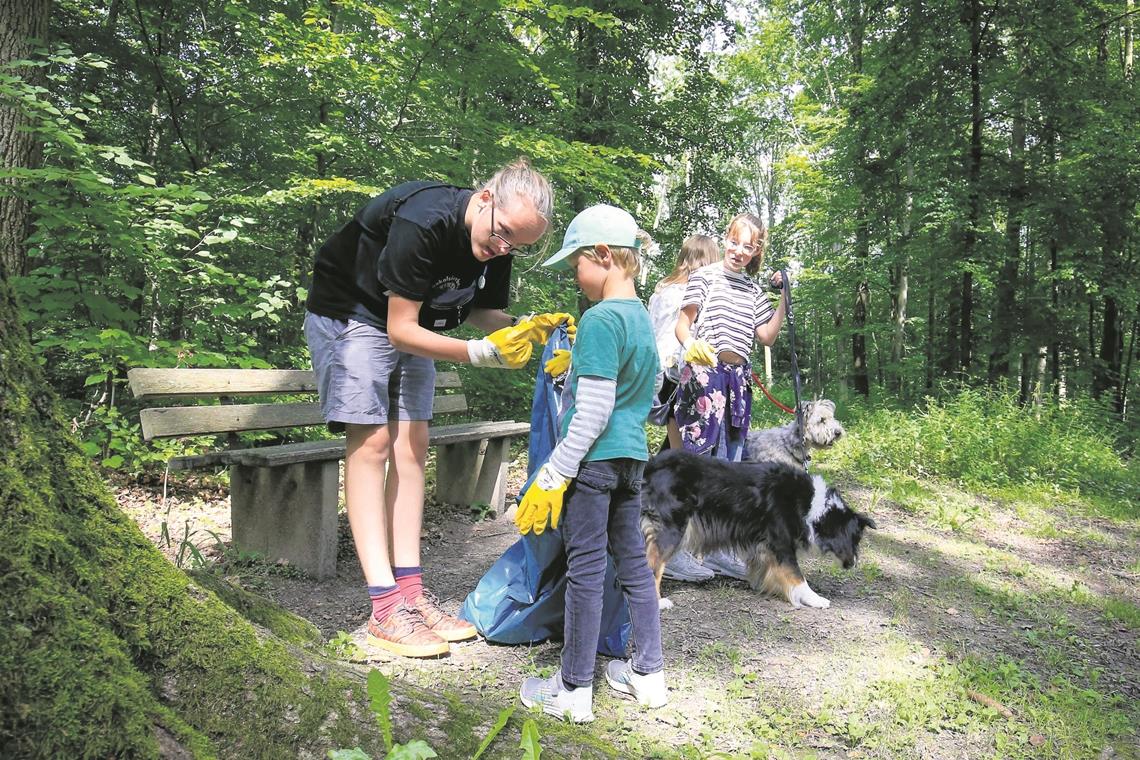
(23, 26)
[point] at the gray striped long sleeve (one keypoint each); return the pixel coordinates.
(594, 402)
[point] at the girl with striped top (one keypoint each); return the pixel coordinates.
(723, 312)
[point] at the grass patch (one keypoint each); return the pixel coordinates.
(983, 438)
(1122, 611)
(899, 700)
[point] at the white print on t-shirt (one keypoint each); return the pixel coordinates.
(451, 282)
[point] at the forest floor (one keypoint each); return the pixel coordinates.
(972, 627)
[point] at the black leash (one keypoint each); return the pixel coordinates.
(786, 286)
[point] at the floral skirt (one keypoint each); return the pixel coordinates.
(714, 407)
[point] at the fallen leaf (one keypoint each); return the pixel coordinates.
(1036, 740)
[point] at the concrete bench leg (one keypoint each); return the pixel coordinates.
(288, 513)
(473, 472)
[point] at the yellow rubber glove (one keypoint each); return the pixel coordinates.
(558, 364)
(542, 501)
(698, 351)
(540, 326)
(508, 348)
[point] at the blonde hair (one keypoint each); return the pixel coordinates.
(623, 256)
(697, 251)
(517, 180)
(747, 221)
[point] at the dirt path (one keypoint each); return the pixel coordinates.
(1044, 623)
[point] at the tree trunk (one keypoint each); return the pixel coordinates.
(973, 18)
(900, 284)
(1122, 404)
(930, 314)
(859, 372)
(23, 23)
(840, 349)
(900, 280)
(1054, 289)
(951, 357)
(1127, 52)
(1108, 368)
(1005, 289)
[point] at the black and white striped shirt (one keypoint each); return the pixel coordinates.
(730, 306)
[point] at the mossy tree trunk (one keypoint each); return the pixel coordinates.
(106, 648)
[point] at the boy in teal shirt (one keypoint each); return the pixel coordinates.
(596, 470)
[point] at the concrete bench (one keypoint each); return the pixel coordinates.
(284, 497)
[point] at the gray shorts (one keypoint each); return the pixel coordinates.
(362, 379)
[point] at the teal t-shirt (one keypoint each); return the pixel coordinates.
(615, 342)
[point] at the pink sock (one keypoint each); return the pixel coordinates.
(384, 600)
(410, 581)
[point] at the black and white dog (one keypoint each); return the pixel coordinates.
(763, 511)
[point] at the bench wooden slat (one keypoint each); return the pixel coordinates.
(227, 418)
(234, 418)
(183, 383)
(318, 451)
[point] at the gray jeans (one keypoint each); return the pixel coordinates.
(603, 510)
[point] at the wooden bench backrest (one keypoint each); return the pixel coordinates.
(167, 422)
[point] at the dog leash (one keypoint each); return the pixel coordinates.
(786, 287)
(773, 399)
(786, 284)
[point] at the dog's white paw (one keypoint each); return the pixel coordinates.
(803, 596)
(664, 603)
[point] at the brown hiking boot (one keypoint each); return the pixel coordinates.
(447, 627)
(404, 633)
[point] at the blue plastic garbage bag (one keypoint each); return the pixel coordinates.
(521, 599)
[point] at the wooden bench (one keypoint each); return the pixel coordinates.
(284, 497)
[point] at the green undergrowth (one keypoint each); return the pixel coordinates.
(982, 438)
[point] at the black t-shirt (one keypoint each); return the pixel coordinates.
(410, 241)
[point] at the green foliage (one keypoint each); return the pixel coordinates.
(380, 700)
(343, 647)
(983, 437)
(500, 722)
(532, 750)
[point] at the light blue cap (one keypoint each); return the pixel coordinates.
(597, 224)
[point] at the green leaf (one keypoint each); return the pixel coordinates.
(504, 715)
(413, 750)
(146, 179)
(529, 745)
(356, 753)
(381, 698)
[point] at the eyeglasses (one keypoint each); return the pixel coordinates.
(511, 248)
(749, 248)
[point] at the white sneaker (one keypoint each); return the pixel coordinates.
(648, 689)
(577, 706)
(683, 566)
(724, 563)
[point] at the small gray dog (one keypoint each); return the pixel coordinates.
(785, 444)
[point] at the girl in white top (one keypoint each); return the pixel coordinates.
(665, 305)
